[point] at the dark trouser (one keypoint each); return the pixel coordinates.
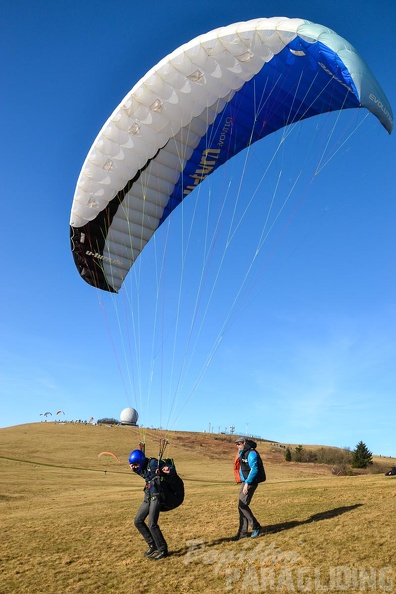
(151, 533)
(246, 517)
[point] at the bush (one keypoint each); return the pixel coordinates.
(108, 421)
(334, 456)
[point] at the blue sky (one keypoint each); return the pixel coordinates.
(310, 356)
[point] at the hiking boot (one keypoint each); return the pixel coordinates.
(160, 555)
(239, 536)
(151, 550)
(256, 532)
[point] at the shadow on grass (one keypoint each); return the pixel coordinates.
(326, 515)
(274, 528)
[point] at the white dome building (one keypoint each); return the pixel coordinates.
(129, 416)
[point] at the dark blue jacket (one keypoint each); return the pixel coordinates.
(151, 473)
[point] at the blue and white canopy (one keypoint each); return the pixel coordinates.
(194, 110)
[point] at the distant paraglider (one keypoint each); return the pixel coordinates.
(110, 454)
(45, 414)
(58, 412)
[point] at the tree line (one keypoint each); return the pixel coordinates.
(360, 457)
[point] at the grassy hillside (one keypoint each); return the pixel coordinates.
(67, 519)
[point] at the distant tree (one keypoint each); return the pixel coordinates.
(299, 453)
(288, 455)
(361, 456)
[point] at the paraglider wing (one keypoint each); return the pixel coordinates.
(201, 105)
(109, 454)
(58, 412)
(47, 413)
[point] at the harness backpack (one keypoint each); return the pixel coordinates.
(171, 488)
(242, 461)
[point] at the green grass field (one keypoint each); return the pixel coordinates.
(67, 519)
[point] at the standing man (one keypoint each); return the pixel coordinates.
(150, 469)
(251, 472)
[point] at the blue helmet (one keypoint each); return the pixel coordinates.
(137, 457)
